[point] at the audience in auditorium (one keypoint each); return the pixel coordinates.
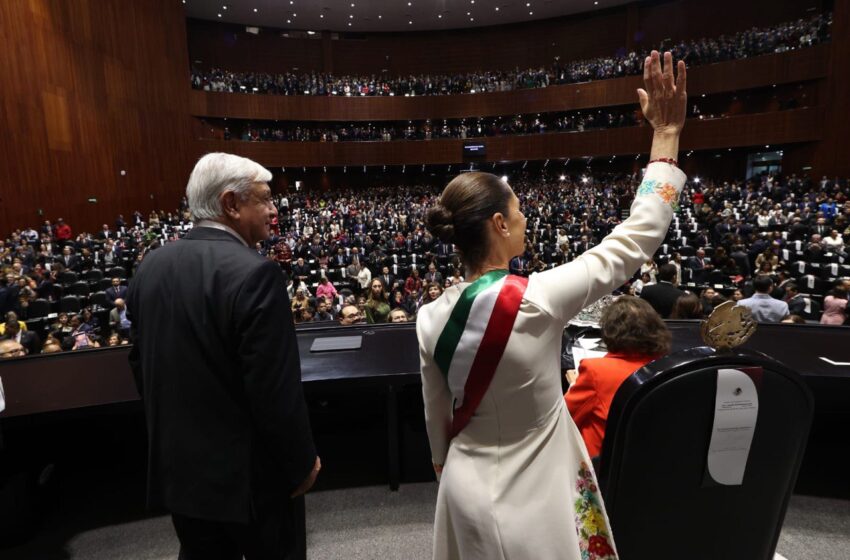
(752, 42)
(345, 234)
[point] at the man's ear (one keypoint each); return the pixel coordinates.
(229, 204)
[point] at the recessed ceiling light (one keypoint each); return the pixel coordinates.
(469, 13)
(596, 3)
(322, 16)
(349, 24)
(531, 13)
(255, 10)
(311, 33)
(528, 4)
(352, 4)
(224, 7)
(497, 8)
(380, 16)
(219, 15)
(294, 15)
(350, 16)
(472, 19)
(409, 23)
(291, 2)
(288, 21)
(440, 16)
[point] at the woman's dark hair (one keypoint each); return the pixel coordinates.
(461, 213)
(631, 326)
(687, 306)
(838, 290)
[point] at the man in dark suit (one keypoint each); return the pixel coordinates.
(115, 291)
(216, 361)
(28, 339)
(663, 295)
(69, 260)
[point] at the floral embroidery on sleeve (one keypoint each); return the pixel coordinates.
(594, 538)
(665, 191)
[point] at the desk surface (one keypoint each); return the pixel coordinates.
(389, 354)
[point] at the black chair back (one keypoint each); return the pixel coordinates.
(70, 304)
(38, 309)
(80, 288)
(98, 299)
(654, 475)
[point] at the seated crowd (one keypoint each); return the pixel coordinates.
(773, 243)
(752, 42)
(574, 121)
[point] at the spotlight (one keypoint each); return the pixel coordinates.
(505, 178)
(562, 178)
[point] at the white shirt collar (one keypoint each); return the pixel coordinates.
(220, 226)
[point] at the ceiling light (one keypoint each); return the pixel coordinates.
(409, 23)
(224, 7)
(322, 16)
(596, 3)
(471, 19)
(497, 8)
(528, 4)
(352, 4)
(440, 16)
(531, 13)
(349, 24)
(468, 13)
(219, 15)
(311, 33)
(294, 15)
(380, 16)
(288, 21)
(350, 16)
(255, 10)
(291, 2)
(410, 3)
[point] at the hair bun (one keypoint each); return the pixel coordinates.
(440, 222)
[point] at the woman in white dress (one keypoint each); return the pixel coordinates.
(516, 481)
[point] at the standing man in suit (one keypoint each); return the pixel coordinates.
(663, 295)
(115, 291)
(216, 362)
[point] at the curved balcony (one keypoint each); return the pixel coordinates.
(794, 66)
(779, 127)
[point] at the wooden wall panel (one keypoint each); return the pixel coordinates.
(796, 66)
(833, 155)
(92, 87)
(799, 125)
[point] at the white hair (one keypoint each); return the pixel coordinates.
(217, 173)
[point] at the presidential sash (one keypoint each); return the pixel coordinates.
(473, 341)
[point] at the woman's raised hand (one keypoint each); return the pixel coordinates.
(664, 102)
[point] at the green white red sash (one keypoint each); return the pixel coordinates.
(471, 345)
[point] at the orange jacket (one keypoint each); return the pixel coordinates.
(589, 398)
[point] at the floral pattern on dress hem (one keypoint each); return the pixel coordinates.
(593, 534)
(665, 191)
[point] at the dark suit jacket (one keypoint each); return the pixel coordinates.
(216, 362)
(112, 294)
(29, 340)
(662, 297)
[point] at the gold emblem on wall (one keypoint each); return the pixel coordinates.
(728, 326)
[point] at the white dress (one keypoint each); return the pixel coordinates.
(517, 482)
